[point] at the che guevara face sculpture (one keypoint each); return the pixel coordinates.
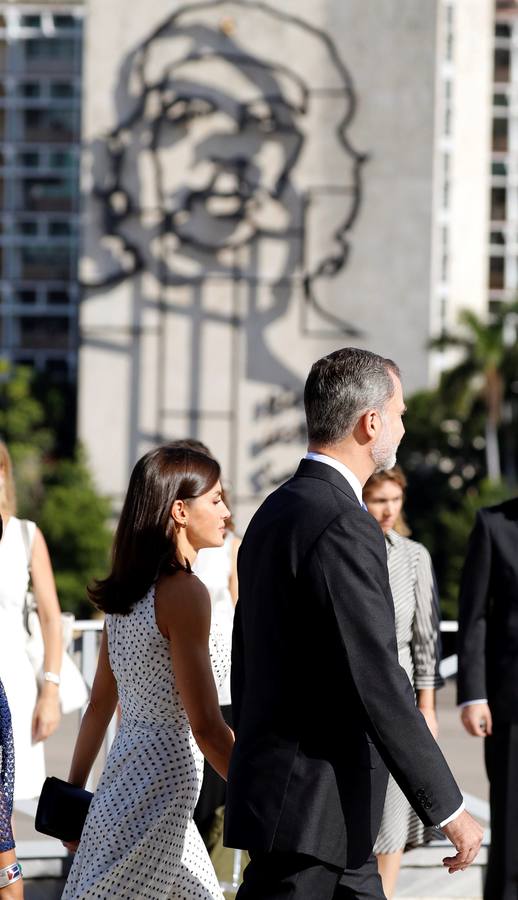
(213, 154)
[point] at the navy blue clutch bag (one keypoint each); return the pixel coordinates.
(62, 809)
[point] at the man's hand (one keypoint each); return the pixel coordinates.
(476, 719)
(466, 836)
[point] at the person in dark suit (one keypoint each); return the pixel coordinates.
(319, 698)
(488, 678)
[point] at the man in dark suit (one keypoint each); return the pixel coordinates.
(318, 694)
(488, 678)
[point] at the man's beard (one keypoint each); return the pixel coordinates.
(384, 451)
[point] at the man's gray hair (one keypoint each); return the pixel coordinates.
(341, 387)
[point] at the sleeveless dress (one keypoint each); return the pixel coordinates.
(16, 671)
(139, 839)
(6, 774)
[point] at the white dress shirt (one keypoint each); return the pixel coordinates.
(340, 467)
(355, 483)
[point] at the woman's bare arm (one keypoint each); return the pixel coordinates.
(183, 616)
(96, 719)
(47, 711)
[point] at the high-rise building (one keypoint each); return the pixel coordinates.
(40, 125)
(503, 270)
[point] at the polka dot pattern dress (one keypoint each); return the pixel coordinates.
(139, 839)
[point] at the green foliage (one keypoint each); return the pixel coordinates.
(73, 519)
(444, 453)
(456, 525)
(57, 493)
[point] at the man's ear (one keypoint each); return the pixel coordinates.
(179, 513)
(368, 426)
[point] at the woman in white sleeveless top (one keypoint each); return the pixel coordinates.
(157, 659)
(217, 568)
(35, 709)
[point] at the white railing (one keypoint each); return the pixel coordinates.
(448, 665)
(89, 631)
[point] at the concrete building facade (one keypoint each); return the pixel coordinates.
(264, 183)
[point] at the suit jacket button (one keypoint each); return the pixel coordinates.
(427, 804)
(420, 794)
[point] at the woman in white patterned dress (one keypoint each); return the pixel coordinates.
(416, 606)
(157, 658)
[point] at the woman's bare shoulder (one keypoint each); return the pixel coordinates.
(181, 598)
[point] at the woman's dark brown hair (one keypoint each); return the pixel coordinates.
(145, 540)
(396, 476)
(194, 444)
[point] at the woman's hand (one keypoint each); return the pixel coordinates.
(71, 846)
(13, 891)
(47, 713)
(431, 720)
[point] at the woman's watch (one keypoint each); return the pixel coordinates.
(52, 677)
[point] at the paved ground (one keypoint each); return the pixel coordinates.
(422, 875)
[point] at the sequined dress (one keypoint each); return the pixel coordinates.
(6, 774)
(140, 840)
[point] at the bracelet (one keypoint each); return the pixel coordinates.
(52, 677)
(10, 874)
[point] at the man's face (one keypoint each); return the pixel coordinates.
(385, 449)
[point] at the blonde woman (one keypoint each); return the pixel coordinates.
(416, 605)
(34, 707)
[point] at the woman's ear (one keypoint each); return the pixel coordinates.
(179, 513)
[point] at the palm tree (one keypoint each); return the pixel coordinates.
(489, 359)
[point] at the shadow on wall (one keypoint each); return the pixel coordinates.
(230, 172)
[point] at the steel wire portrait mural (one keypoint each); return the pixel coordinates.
(231, 173)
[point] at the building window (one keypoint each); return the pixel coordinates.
(62, 90)
(29, 89)
(502, 30)
(30, 159)
(41, 262)
(499, 169)
(27, 228)
(26, 295)
(30, 21)
(497, 238)
(65, 21)
(498, 204)
(502, 65)
(500, 99)
(48, 194)
(500, 135)
(46, 332)
(58, 297)
(497, 272)
(50, 49)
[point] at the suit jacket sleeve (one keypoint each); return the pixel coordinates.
(473, 606)
(349, 565)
